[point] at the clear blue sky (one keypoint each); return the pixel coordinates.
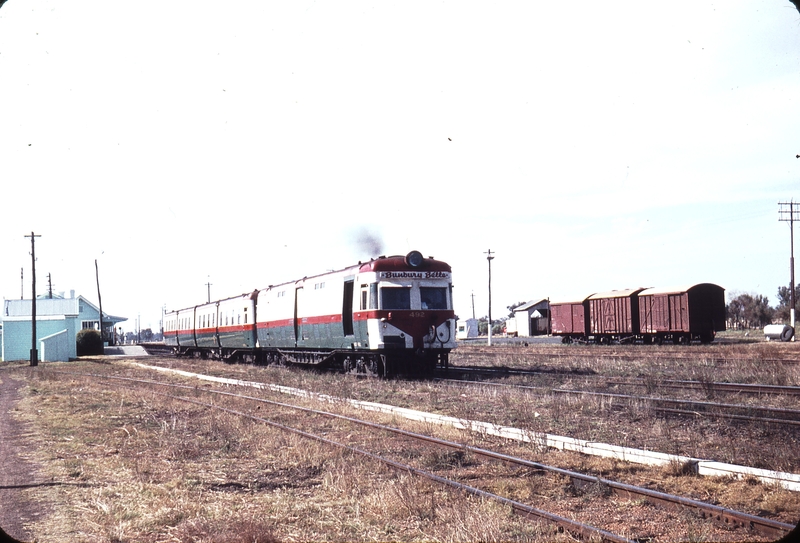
(592, 146)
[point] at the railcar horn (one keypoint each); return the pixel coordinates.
(414, 259)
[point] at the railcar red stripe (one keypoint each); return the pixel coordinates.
(275, 324)
(405, 314)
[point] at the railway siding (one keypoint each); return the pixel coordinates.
(583, 482)
(790, 481)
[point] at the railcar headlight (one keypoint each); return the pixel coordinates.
(414, 259)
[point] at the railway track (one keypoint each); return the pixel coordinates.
(718, 514)
(694, 408)
(159, 349)
(683, 384)
(710, 356)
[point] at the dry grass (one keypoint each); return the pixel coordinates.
(133, 466)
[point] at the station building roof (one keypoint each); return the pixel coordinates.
(56, 306)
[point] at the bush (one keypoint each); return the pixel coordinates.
(89, 342)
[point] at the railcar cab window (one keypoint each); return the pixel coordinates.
(433, 297)
(395, 298)
(369, 296)
(373, 296)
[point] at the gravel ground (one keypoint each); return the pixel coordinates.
(18, 474)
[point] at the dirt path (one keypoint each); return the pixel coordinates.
(17, 474)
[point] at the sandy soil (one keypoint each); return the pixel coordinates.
(18, 475)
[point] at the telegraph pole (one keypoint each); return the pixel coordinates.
(209, 288)
(34, 351)
(489, 258)
(100, 301)
(788, 213)
(473, 305)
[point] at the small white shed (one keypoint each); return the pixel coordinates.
(467, 328)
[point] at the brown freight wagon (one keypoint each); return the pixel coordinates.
(568, 320)
(680, 315)
(614, 316)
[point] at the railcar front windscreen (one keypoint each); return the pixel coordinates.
(396, 298)
(433, 297)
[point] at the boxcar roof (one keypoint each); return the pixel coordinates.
(568, 302)
(615, 294)
(677, 290)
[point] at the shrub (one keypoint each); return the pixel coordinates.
(89, 342)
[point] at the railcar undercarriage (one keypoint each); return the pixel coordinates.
(675, 338)
(387, 363)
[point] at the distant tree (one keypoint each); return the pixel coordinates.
(785, 302)
(512, 307)
(497, 326)
(735, 311)
(750, 311)
(482, 326)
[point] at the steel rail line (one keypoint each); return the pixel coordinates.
(564, 523)
(712, 386)
(655, 400)
(716, 386)
(586, 530)
(597, 353)
(728, 517)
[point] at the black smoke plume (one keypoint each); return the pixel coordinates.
(369, 243)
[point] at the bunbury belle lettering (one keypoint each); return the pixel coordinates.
(415, 275)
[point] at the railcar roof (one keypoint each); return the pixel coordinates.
(398, 262)
(381, 263)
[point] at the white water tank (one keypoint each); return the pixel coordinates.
(783, 332)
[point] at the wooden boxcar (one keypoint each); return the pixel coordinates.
(568, 320)
(614, 315)
(683, 314)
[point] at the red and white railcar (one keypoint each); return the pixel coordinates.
(391, 315)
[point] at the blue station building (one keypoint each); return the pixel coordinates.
(58, 321)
